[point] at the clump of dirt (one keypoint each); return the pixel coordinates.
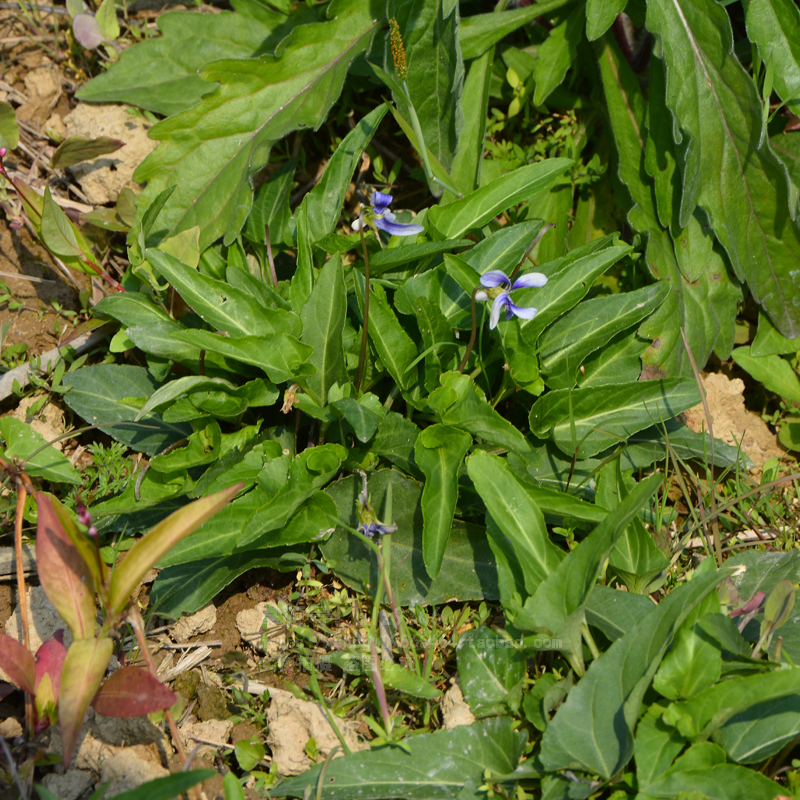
(732, 422)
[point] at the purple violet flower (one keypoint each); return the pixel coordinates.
(498, 286)
(380, 217)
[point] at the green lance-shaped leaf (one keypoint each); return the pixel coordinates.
(75, 149)
(151, 547)
(592, 730)
(210, 151)
(61, 237)
(323, 204)
(171, 785)
(773, 371)
(9, 130)
(395, 348)
(435, 74)
(438, 452)
(566, 590)
(41, 459)
(476, 209)
(323, 318)
(589, 326)
(556, 55)
(600, 14)
(64, 575)
(81, 676)
(516, 517)
(225, 307)
(600, 417)
(772, 26)
(283, 358)
(731, 171)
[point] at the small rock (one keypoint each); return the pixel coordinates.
(186, 685)
(127, 731)
(193, 625)
(212, 703)
(42, 89)
(10, 728)
(292, 722)
(455, 710)
(43, 622)
(128, 769)
(104, 177)
(251, 625)
(215, 730)
(69, 786)
(49, 422)
(55, 128)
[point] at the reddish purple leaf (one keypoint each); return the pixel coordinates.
(752, 605)
(64, 575)
(17, 663)
(6, 689)
(87, 31)
(50, 659)
(132, 692)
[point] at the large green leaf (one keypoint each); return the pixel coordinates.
(98, 394)
(516, 516)
(731, 171)
(439, 452)
(702, 771)
(160, 74)
(185, 588)
(566, 590)
(323, 318)
(599, 417)
(283, 358)
(476, 209)
(656, 744)
(210, 151)
(774, 372)
(566, 343)
(592, 731)
(489, 667)
(600, 14)
(323, 204)
(435, 73)
(39, 457)
(556, 55)
(444, 764)
(468, 569)
(615, 612)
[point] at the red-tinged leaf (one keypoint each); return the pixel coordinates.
(64, 575)
(50, 660)
(75, 149)
(146, 553)
(85, 546)
(17, 663)
(132, 692)
(81, 676)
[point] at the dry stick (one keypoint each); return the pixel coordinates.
(363, 355)
(271, 259)
(135, 620)
(713, 487)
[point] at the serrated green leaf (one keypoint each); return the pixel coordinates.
(209, 162)
(731, 171)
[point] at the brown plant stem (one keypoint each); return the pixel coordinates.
(539, 237)
(474, 334)
(136, 622)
